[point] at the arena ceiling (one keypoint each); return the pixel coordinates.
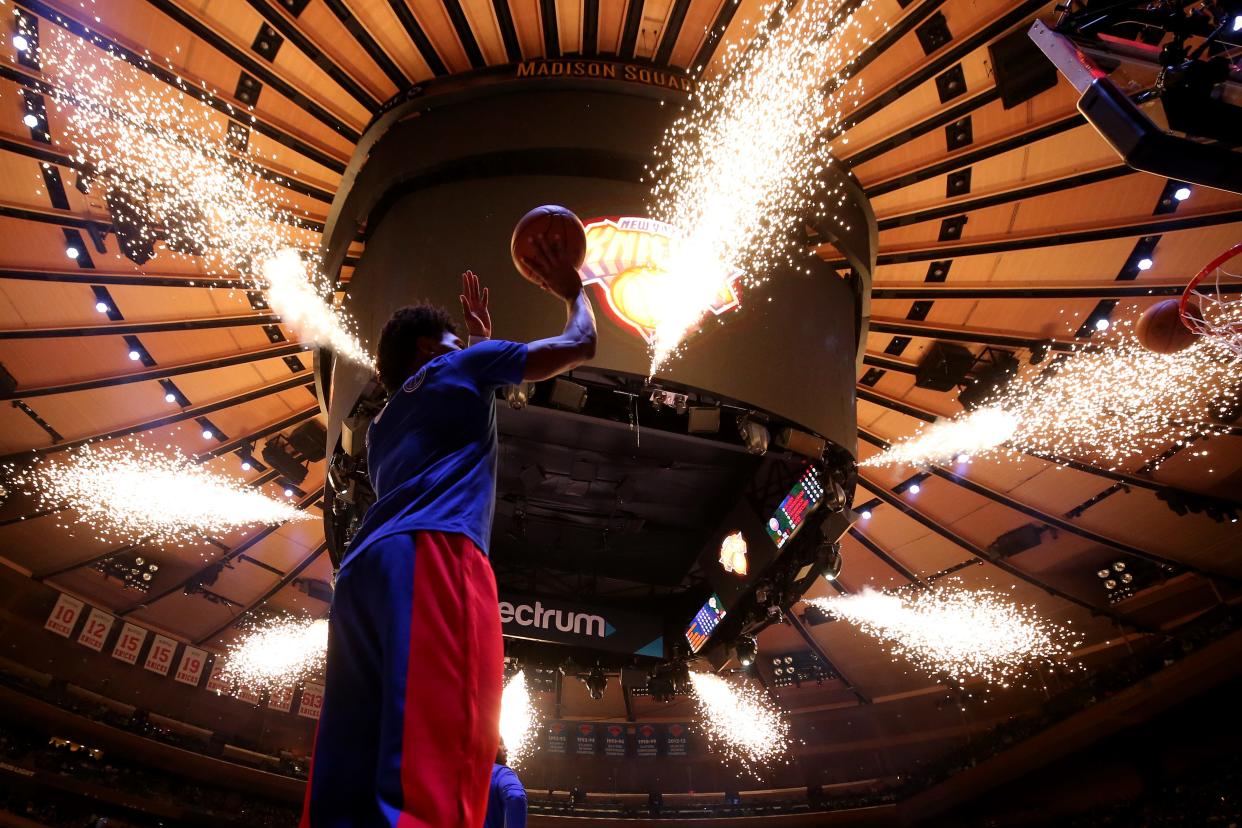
(1004, 227)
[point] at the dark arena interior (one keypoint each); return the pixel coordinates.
(928, 514)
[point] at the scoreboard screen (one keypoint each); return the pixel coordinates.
(800, 502)
(704, 623)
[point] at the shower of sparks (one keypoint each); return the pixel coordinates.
(277, 652)
(128, 494)
(739, 721)
(740, 171)
(519, 720)
(1112, 406)
(949, 630)
(172, 173)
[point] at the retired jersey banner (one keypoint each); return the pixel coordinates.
(558, 737)
(216, 682)
(614, 739)
(190, 670)
(312, 700)
(247, 694)
(160, 657)
(584, 739)
(676, 740)
(64, 615)
(281, 698)
(130, 642)
(646, 741)
(95, 630)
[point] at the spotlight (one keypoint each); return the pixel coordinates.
(828, 560)
(1183, 193)
(1145, 263)
(915, 488)
(596, 682)
(170, 398)
(1119, 566)
(135, 356)
(246, 465)
(207, 434)
(72, 252)
(1101, 324)
(102, 307)
(30, 120)
(20, 43)
(754, 433)
(866, 514)
(1127, 578)
(518, 395)
(1237, 23)
(963, 458)
(1103, 573)
(746, 648)
(288, 492)
(1110, 584)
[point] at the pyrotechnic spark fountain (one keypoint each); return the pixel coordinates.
(739, 721)
(277, 652)
(743, 166)
(1113, 405)
(127, 493)
(163, 161)
(519, 720)
(962, 633)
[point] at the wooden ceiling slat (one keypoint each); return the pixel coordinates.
(262, 599)
(418, 36)
(364, 38)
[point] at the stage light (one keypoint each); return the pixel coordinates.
(20, 43)
(567, 395)
(135, 356)
(288, 492)
(207, 434)
(1181, 193)
(1145, 263)
(102, 307)
(170, 398)
(1103, 573)
(866, 515)
(1237, 23)
(1101, 324)
(1119, 566)
(963, 458)
(915, 488)
(72, 252)
(246, 465)
(30, 120)
(596, 683)
(754, 433)
(746, 648)
(1110, 584)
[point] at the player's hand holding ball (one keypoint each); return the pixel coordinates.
(548, 247)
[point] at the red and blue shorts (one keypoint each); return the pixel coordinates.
(411, 714)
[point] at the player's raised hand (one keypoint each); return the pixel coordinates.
(474, 305)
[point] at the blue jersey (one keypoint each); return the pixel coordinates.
(506, 801)
(431, 452)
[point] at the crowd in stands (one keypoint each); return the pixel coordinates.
(160, 792)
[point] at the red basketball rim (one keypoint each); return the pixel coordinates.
(1194, 324)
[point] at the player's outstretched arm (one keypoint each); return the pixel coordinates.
(546, 358)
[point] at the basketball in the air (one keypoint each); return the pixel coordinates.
(1160, 328)
(559, 229)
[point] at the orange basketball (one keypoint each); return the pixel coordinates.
(1160, 328)
(558, 227)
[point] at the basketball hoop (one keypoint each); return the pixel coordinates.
(1211, 305)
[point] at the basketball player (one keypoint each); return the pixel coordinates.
(411, 709)
(506, 801)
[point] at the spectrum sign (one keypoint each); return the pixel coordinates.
(626, 258)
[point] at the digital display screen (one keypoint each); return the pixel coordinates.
(800, 502)
(705, 621)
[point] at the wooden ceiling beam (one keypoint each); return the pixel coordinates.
(135, 328)
(414, 31)
(163, 372)
(939, 291)
(1005, 566)
(368, 43)
(100, 277)
(942, 117)
(233, 109)
(979, 336)
(267, 596)
(304, 379)
(279, 20)
(250, 439)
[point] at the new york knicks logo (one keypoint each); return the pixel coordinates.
(626, 258)
(412, 384)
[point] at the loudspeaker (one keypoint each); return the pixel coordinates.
(944, 367)
(1021, 69)
(310, 440)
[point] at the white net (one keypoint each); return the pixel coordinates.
(1212, 303)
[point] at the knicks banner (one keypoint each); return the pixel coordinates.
(558, 737)
(627, 259)
(568, 622)
(160, 657)
(95, 630)
(190, 670)
(131, 641)
(614, 739)
(64, 615)
(584, 739)
(646, 741)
